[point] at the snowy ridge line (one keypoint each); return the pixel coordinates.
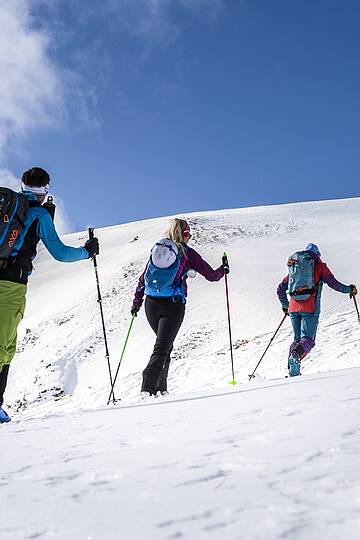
(284, 380)
(167, 401)
(281, 382)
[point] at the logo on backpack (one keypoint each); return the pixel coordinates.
(301, 275)
(162, 269)
(13, 209)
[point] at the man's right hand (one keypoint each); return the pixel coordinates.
(92, 247)
(134, 311)
(285, 310)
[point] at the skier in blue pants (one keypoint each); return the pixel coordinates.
(307, 274)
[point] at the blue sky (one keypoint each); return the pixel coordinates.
(142, 108)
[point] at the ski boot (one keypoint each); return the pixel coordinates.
(294, 364)
(162, 393)
(145, 395)
(4, 417)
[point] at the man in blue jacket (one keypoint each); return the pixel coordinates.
(38, 225)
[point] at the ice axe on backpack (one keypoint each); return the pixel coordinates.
(50, 206)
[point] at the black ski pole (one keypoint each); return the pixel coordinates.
(107, 356)
(225, 261)
(356, 307)
(271, 340)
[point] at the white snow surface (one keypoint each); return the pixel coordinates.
(271, 458)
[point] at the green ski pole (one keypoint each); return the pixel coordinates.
(121, 357)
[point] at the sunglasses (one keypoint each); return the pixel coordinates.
(186, 234)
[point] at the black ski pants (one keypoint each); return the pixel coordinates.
(3, 380)
(165, 318)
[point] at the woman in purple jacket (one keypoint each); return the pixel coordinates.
(165, 314)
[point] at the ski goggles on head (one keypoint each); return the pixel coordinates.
(36, 190)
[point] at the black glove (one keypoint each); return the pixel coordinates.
(92, 247)
(353, 291)
(285, 310)
(225, 264)
(134, 311)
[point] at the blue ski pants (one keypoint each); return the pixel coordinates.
(304, 327)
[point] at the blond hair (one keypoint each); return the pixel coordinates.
(175, 232)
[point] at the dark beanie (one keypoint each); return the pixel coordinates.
(36, 177)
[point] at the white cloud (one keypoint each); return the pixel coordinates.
(144, 19)
(63, 223)
(209, 8)
(38, 93)
(7, 179)
(152, 19)
(31, 90)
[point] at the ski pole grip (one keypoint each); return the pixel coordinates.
(225, 259)
(91, 236)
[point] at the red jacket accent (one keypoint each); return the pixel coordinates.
(322, 274)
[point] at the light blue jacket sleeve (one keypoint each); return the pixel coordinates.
(54, 245)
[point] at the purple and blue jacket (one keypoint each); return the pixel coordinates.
(190, 259)
(322, 275)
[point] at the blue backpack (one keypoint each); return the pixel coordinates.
(13, 209)
(301, 275)
(161, 271)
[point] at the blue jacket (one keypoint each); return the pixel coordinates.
(38, 225)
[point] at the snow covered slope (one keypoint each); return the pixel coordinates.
(271, 459)
(274, 460)
(61, 350)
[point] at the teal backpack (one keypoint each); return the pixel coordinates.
(161, 271)
(301, 267)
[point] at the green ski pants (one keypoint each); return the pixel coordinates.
(12, 307)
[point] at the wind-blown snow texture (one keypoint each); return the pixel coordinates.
(266, 459)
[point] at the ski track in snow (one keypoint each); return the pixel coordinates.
(261, 461)
(274, 458)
